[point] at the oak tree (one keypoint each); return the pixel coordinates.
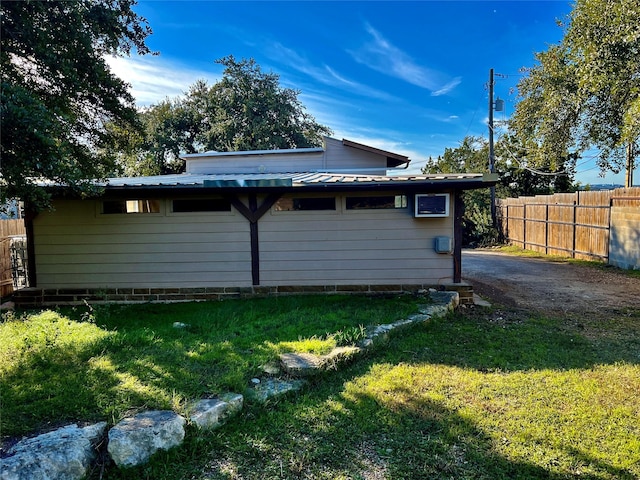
(57, 91)
(247, 109)
(584, 92)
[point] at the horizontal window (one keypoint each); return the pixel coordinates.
(308, 203)
(201, 205)
(130, 206)
(377, 203)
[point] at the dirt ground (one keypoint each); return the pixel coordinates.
(551, 287)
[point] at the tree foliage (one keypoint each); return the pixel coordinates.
(246, 109)
(472, 156)
(585, 91)
(57, 90)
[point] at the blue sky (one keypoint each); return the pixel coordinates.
(409, 77)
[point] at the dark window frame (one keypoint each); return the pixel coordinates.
(376, 202)
(307, 204)
(200, 205)
(151, 206)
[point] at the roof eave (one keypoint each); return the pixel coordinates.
(425, 185)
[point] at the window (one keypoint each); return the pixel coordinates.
(201, 205)
(308, 203)
(377, 202)
(130, 206)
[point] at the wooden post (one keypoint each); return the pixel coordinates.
(506, 226)
(575, 220)
(524, 225)
(546, 229)
(255, 243)
(30, 215)
(253, 213)
(457, 237)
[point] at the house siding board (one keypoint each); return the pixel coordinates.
(77, 246)
(272, 163)
(347, 247)
(336, 157)
(339, 157)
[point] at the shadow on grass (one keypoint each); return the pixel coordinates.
(136, 359)
(512, 340)
(342, 427)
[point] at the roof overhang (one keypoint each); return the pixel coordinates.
(294, 182)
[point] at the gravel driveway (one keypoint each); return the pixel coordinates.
(553, 287)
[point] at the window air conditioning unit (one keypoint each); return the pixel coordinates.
(432, 205)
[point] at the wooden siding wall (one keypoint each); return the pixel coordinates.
(348, 247)
(336, 157)
(78, 247)
(577, 224)
(7, 229)
(272, 163)
(339, 157)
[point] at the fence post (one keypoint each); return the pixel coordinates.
(575, 220)
(524, 226)
(546, 229)
(506, 227)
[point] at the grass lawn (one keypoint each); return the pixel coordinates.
(111, 361)
(482, 394)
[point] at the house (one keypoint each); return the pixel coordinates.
(328, 219)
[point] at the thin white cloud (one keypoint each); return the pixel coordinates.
(324, 74)
(153, 79)
(381, 55)
(447, 88)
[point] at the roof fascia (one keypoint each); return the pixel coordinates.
(487, 180)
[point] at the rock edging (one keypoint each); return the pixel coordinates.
(69, 452)
(302, 365)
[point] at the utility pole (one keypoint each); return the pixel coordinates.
(628, 178)
(491, 153)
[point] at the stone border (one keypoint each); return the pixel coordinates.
(70, 451)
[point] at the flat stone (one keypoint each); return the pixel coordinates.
(479, 301)
(211, 413)
(271, 388)
(451, 299)
(301, 364)
(234, 400)
(66, 454)
(134, 440)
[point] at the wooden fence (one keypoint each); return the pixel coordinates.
(574, 225)
(8, 228)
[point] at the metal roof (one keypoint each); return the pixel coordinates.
(213, 153)
(297, 180)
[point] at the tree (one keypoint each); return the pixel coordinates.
(246, 110)
(472, 156)
(585, 91)
(57, 91)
